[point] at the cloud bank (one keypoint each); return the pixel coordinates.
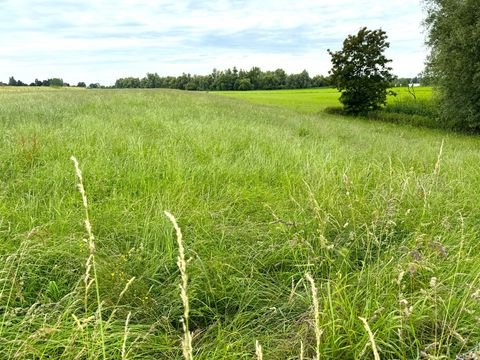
(102, 40)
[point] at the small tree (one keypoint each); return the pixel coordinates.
(360, 71)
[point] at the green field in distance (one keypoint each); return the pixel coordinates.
(311, 100)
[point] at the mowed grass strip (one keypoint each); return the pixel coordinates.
(384, 218)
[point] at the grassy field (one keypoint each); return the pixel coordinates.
(313, 100)
(384, 218)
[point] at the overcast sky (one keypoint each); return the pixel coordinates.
(102, 40)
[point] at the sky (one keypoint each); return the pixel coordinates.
(103, 40)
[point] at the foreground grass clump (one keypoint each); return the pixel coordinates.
(384, 219)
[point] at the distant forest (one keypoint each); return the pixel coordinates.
(55, 82)
(230, 79)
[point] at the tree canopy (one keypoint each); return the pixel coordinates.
(361, 72)
(454, 38)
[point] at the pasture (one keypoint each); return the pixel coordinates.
(384, 218)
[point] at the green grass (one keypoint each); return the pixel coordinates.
(403, 93)
(415, 107)
(385, 219)
(313, 100)
(305, 100)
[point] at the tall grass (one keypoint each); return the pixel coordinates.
(403, 111)
(182, 266)
(385, 223)
(376, 356)
(90, 265)
(316, 313)
(420, 107)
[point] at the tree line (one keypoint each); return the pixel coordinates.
(229, 79)
(54, 82)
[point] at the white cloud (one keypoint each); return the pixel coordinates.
(99, 41)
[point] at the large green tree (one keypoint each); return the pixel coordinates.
(454, 37)
(361, 72)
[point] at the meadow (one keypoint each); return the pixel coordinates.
(316, 100)
(383, 219)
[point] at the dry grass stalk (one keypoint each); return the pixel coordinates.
(436, 170)
(90, 265)
(182, 266)
(127, 285)
(87, 280)
(316, 310)
(258, 350)
(125, 335)
(301, 350)
(81, 189)
(371, 337)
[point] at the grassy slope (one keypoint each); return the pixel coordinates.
(370, 210)
(311, 100)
